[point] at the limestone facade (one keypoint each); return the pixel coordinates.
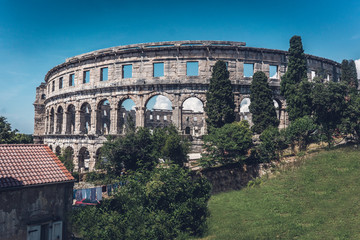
(80, 102)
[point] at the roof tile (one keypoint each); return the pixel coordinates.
(30, 164)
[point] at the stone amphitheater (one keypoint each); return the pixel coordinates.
(93, 95)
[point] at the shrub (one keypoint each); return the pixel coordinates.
(162, 204)
(272, 144)
(227, 144)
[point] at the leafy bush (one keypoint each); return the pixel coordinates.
(227, 144)
(273, 142)
(161, 204)
(302, 132)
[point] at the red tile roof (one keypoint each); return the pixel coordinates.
(30, 164)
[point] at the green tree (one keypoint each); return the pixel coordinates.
(169, 145)
(294, 84)
(227, 144)
(272, 144)
(133, 151)
(67, 159)
(349, 74)
(220, 99)
(262, 105)
(301, 132)
(329, 103)
(351, 116)
(7, 135)
(163, 204)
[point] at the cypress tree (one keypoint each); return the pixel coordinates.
(262, 105)
(220, 98)
(294, 84)
(348, 73)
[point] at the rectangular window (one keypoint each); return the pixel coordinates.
(60, 83)
(157, 117)
(53, 85)
(273, 71)
(248, 69)
(158, 69)
(195, 119)
(192, 68)
(104, 74)
(72, 80)
(151, 117)
(127, 71)
(165, 118)
(86, 77)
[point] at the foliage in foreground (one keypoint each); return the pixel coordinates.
(162, 204)
(141, 150)
(227, 144)
(319, 200)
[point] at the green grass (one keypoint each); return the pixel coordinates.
(318, 200)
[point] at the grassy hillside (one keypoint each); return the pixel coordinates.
(318, 200)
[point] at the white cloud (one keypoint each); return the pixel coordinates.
(163, 103)
(357, 63)
(193, 104)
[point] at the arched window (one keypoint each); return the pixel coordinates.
(85, 118)
(159, 106)
(126, 115)
(103, 117)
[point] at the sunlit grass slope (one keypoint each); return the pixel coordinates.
(318, 200)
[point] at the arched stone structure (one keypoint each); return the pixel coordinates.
(83, 114)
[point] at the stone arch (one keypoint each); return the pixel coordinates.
(103, 120)
(159, 111)
(278, 107)
(58, 151)
(59, 119)
(193, 116)
(52, 120)
(85, 118)
(126, 112)
(83, 159)
(70, 119)
(244, 110)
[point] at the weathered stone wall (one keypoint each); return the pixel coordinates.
(22, 207)
(64, 99)
(230, 178)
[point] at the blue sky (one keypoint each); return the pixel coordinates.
(37, 35)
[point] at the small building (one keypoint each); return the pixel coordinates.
(35, 193)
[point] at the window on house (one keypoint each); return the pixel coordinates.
(192, 68)
(104, 74)
(72, 80)
(60, 83)
(273, 71)
(248, 69)
(158, 70)
(86, 77)
(127, 71)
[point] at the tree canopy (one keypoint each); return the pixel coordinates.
(7, 135)
(294, 84)
(262, 106)
(348, 73)
(220, 98)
